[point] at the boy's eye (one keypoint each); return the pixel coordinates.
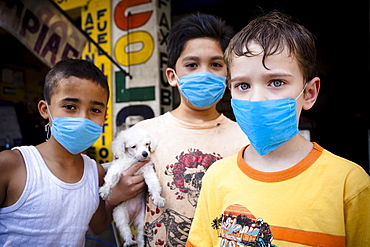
(277, 83)
(191, 65)
(217, 65)
(244, 86)
(70, 107)
(96, 110)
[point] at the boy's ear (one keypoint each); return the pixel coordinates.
(43, 109)
(311, 93)
(171, 77)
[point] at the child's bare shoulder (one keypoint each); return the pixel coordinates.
(10, 160)
(13, 172)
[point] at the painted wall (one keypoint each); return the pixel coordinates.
(134, 33)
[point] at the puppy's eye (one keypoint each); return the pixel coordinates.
(134, 146)
(147, 144)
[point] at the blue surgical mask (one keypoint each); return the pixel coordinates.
(75, 134)
(202, 89)
(267, 123)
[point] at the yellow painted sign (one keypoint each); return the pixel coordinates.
(71, 4)
(96, 21)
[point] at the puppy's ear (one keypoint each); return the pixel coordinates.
(153, 142)
(118, 145)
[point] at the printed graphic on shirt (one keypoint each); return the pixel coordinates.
(175, 226)
(188, 172)
(167, 227)
(239, 227)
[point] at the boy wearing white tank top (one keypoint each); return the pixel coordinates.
(49, 192)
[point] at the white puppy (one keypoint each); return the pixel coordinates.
(129, 147)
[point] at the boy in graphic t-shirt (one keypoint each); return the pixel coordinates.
(195, 134)
(281, 190)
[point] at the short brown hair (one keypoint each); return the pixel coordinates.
(275, 31)
(73, 67)
(194, 26)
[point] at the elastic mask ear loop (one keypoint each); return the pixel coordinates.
(177, 78)
(47, 130)
(47, 126)
(178, 82)
(305, 85)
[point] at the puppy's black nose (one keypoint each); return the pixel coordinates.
(144, 154)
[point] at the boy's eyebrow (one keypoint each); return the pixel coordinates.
(93, 102)
(275, 74)
(218, 57)
(238, 78)
(70, 99)
(278, 73)
(196, 58)
(97, 103)
(187, 58)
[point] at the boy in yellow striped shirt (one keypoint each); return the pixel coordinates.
(281, 190)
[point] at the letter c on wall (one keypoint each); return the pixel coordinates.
(133, 21)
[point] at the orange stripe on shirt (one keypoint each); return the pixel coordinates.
(302, 237)
(189, 244)
(305, 237)
(279, 176)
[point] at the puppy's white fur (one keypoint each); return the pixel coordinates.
(129, 147)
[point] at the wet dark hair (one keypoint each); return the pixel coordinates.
(73, 67)
(196, 26)
(274, 32)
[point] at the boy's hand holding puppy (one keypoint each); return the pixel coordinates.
(129, 183)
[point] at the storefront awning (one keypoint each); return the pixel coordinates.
(43, 29)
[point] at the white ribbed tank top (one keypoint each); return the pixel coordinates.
(50, 212)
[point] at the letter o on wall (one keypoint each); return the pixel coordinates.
(127, 57)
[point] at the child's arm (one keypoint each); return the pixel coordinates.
(3, 177)
(13, 176)
(129, 186)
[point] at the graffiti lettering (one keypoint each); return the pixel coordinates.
(41, 30)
